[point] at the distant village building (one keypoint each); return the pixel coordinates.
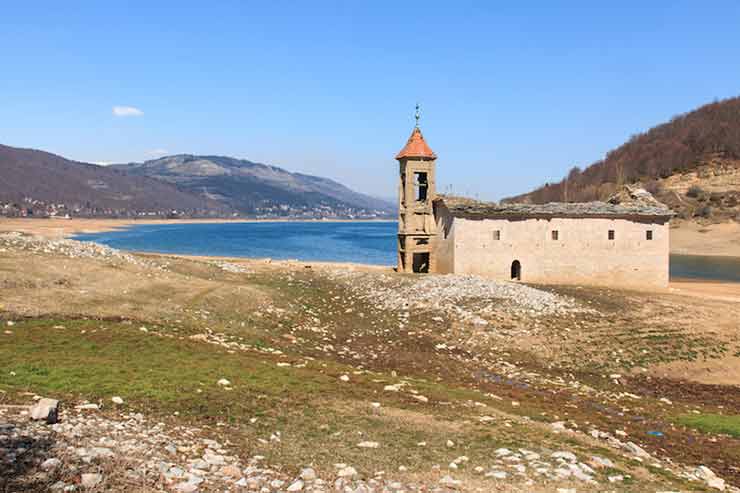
(622, 242)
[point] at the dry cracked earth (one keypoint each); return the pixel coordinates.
(182, 374)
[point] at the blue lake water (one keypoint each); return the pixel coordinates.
(701, 267)
(358, 242)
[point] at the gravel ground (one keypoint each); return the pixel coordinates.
(68, 248)
(123, 451)
(468, 297)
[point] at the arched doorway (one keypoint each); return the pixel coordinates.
(516, 270)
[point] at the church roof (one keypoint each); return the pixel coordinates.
(630, 203)
(416, 146)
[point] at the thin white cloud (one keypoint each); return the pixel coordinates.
(158, 152)
(127, 111)
(103, 163)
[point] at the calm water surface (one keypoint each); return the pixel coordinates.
(360, 242)
(700, 267)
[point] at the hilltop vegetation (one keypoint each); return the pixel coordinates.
(692, 163)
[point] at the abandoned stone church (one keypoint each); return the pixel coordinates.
(622, 242)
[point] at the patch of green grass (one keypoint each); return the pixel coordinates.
(713, 423)
(320, 418)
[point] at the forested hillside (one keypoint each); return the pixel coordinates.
(692, 163)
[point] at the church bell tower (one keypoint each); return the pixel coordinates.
(416, 225)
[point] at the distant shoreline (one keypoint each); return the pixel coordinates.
(66, 228)
(687, 237)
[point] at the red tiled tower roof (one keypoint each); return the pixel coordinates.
(416, 147)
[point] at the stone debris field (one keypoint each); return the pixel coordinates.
(129, 372)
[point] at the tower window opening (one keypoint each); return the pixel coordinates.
(420, 262)
(611, 234)
(421, 185)
(497, 234)
(555, 235)
(649, 234)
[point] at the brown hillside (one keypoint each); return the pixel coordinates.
(692, 163)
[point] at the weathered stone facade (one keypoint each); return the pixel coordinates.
(621, 242)
(416, 225)
(612, 251)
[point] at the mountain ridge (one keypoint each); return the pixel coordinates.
(39, 183)
(269, 186)
(34, 182)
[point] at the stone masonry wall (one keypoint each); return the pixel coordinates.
(444, 246)
(582, 254)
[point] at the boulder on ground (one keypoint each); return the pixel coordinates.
(45, 409)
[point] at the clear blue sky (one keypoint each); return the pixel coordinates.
(512, 96)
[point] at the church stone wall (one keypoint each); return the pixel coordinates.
(444, 250)
(581, 254)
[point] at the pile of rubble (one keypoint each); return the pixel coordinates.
(455, 294)
(68, 248)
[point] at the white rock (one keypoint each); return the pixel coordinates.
(186, 487)
(98, 452)
(558, 426)
(706, 474)
(87, 407)
(449, 482)
(502, 452)
(117, 400)
(636, 450)
(308, 474)
(223, 382)
(348, 472)
(50, 464)
(45, 409)
(601, 462)
(296, 486)
(569, 456)
(368, 445)
(90, 480)
(344, 378)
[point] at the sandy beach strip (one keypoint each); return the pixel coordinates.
(65, 228)
(691, 238)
